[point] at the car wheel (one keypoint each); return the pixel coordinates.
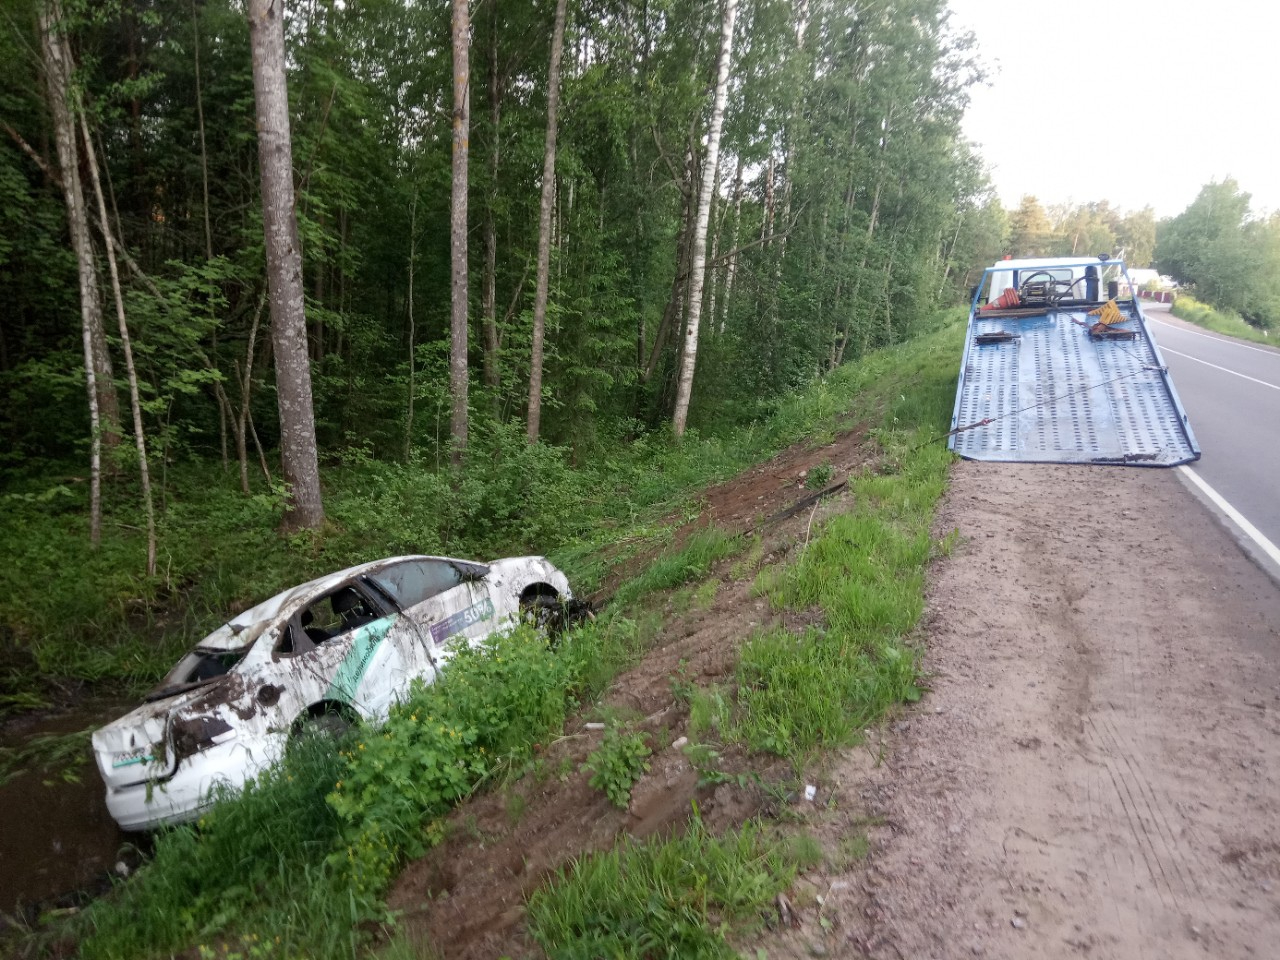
(329, 725)
(553, 615)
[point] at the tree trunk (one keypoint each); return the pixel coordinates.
(99, 376)
(204, 155)
(544, 226)
(225, 416)
(489, 295)
(689, 352)
(135, 401)
(674, 310)
(244, 423)
(458, 229)
(731, 268)
(98, 382)
(284, 268)
(413, 256)
(716, 227)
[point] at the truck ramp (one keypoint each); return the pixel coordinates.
(1051, 383)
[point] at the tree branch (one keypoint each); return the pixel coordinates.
(662, 152)
(30, 152)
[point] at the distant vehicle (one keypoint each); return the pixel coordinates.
(320, 656)
(1060, 367)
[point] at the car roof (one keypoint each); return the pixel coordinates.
(245, 627)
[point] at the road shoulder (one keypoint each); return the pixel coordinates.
(1095, 770)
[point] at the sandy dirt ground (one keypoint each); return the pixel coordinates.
(1095, 771)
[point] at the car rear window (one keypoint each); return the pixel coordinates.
(412, 581)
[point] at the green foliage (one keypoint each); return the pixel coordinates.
(323, 832)
(674, 898)
(1229, 258)
(819, 476)
(709, 712)
(618, 763)
(488, 707)
(1220, 321)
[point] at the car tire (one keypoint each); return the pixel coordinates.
(327, 725)
(554, 615)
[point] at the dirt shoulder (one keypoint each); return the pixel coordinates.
(1095, 770)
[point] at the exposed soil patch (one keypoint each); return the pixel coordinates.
(1095, 772)
(466, 897)
(754, 499)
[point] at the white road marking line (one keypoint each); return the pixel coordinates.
(1243, 376)
(1208, 336)
(1236, 517)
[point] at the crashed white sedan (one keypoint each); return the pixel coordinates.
(343, 647)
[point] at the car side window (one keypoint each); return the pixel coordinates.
(330, 616)
(413, 581)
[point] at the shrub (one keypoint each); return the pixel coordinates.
(618, 763)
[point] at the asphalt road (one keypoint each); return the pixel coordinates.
(1231, 392)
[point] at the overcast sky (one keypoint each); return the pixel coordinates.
(1133, 101)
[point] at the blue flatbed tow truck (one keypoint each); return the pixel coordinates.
(1060, 366)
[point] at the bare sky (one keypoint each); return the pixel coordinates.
(1133, 101)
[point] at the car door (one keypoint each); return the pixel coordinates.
(340, 648)
(442, 600)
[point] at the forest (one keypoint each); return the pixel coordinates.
(842, 202)
(625, 219)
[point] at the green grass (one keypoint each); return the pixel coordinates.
(1219, 321)
(65, 754)
(794, 694)
(677, 898)
(701, 551)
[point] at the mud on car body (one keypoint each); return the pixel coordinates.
(343, 647)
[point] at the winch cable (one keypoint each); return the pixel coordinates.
(1143, 367)
(1040, 403)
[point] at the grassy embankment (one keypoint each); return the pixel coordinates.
(794, 695)
(299, 864)
(1231, 324)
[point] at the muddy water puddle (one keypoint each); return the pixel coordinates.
(56, 837)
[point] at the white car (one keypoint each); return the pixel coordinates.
(340, 648)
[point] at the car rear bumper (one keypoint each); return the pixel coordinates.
(192, 789)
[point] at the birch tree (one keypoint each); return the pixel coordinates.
(104, 414)
(689, 349)
(135, 400)
(458, 228)
(284, 268)
(544, 226)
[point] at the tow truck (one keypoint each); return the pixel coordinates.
(1059, 366)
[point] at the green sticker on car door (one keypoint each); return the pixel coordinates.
(365, 641)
